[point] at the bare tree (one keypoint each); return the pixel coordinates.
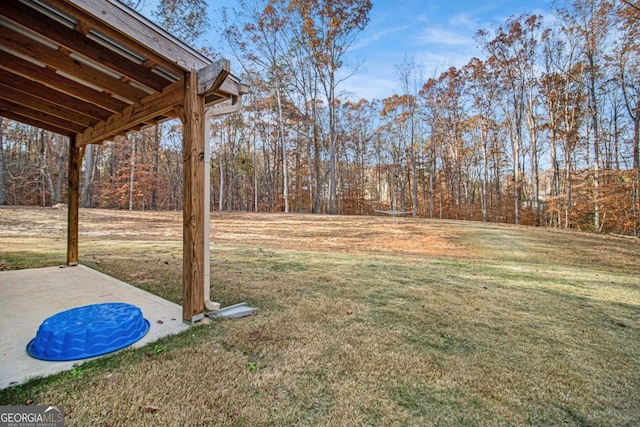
(410, 77)
(510, 51)
(589, 21)
(329, 28)
(185, 19)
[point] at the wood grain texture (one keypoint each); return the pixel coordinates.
(68, 65)
(132, 29)
(33, 102)
(193, 201)
(73, 194)
(40, 116)
(211, 77)
(36, 123)
(59, 83)
(159, 104)
(52, 96)
(78, 43)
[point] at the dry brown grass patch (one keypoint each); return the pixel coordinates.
(362, 321)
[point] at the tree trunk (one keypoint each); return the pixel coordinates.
(485, 174)
(536, 179)
(568, 185)
(61, 157)
(154, 171)
(596, 153)
(43, 166)
(432, 171)
(310, 174)
(332, 146)
(533, 135)
(132, 177)
(636, 139)
(87, 178)
(318, 176)
(285, 169)
(636, 181)
(414, 171)
(221, 183)
(255, 173)
(516, 178)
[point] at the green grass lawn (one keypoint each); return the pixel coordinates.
(514, 326)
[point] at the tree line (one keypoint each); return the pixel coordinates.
(544, 130)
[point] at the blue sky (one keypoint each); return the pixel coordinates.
(437, 33)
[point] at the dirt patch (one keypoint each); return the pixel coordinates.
(451, 240)
(338, 233)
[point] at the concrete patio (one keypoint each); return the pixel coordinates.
(27, 297)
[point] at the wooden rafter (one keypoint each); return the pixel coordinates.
(73, 67)
(50, 78)
(53, 96)
(153, 106)
(35, 103)
(211, 77)
(37, 114)
(77, 42)
(34, 122)
(93, 69)
(136, 33)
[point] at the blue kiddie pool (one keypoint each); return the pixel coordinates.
(88, 331)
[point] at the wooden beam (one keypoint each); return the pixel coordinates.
(152, 106)
(133, 30)
(29, 121)
(79, 43)
(64, 63)
(57, 82)
(40, 117)
(211, 77)
(10, 94)
(52, 96)
(86, 22)
(193, 202)
(230, 87)
(73, 195)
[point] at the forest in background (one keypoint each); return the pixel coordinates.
(545, 130)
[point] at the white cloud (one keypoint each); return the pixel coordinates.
(436, 34)
(377, 82)
(379, 79)
(443, 37)
(369, 88)
(466, 20)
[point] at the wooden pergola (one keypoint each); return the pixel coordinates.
(95, 69)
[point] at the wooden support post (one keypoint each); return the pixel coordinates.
(193, 202)
(73, 193)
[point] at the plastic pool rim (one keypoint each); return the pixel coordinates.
(143, 326)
